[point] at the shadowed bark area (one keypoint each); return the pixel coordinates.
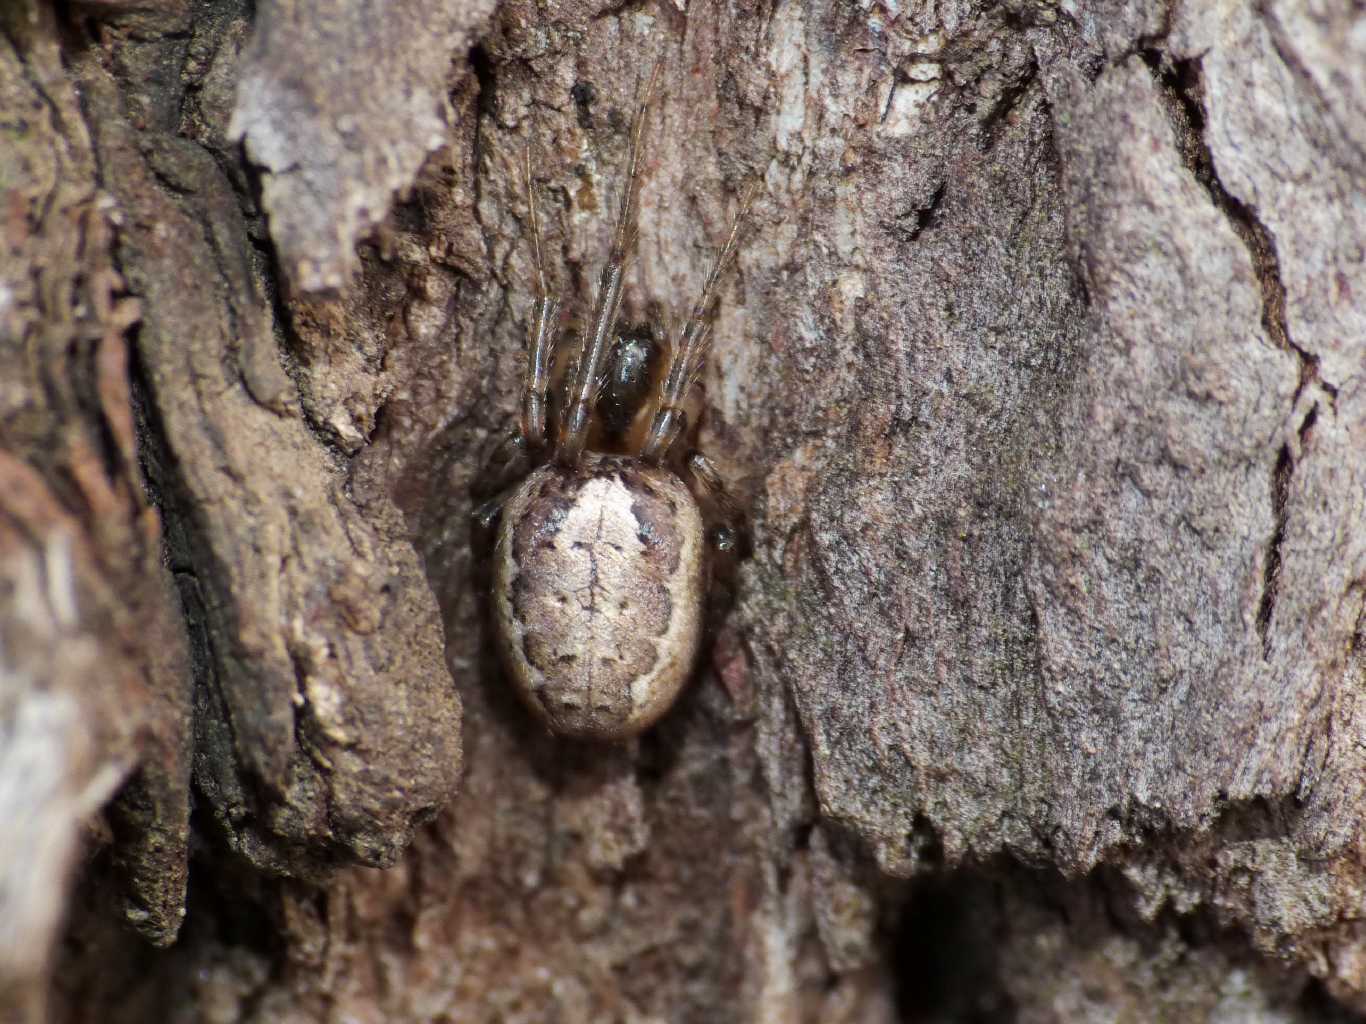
(1039, 376)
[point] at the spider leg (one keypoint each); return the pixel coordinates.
(690, 353)
(541, 343)
(588, 368)
(486, 513)
(511, 458)
(729, 535)
(505, 465)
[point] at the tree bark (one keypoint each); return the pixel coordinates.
(1039, 375)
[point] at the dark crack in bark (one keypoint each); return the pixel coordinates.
(1182, 86)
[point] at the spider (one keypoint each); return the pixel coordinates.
(600, 564)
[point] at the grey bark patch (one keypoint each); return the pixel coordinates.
(1166, 495)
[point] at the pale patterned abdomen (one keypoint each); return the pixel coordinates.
(599, 585)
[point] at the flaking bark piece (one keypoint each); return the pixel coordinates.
(326, 727)
(339, 104)
(94, 681)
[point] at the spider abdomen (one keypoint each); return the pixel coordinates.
(599, 584)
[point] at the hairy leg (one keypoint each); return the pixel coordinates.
(690, 353)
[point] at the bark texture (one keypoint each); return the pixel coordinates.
(1041, 378)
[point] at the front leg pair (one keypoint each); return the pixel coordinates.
(590, 367)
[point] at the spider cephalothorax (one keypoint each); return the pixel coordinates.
(599, 569)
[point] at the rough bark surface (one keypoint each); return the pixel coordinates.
(1040, 376)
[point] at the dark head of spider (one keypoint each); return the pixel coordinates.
(632, 368)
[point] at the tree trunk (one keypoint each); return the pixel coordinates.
(1039, 376)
